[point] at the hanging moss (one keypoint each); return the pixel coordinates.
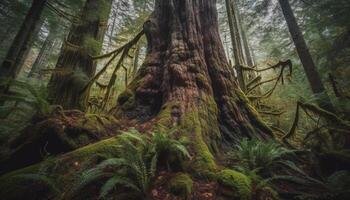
(181, 185)
(92, 46)
(238, 183)
(98, 10)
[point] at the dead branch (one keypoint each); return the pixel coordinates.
(255, 80)
(334, 122)
(280, 77)
(115, 53)
(275, 113)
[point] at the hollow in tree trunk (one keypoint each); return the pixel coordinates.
(186, 81)
(75, 66)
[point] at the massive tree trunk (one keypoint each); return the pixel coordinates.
(186, 81)
(305, 57)
(75, 66)
(12, 63)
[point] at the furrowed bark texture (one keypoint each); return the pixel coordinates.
(75, 67)
(186, 80)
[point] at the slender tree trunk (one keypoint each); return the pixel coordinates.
(248, 57)
(43, 55)
(24, 54)
(136, 61)
(311, 72)
(75, 66)
(235, 38)
(11, 64)
(112, 29)
(186, 82)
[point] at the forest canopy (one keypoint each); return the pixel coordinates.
(175, 99)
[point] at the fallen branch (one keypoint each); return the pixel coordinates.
(116, 51)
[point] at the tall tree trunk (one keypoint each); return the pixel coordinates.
(186, 82)
(236, 42)
(31, 41)
(44, 53)
(11, 64)
(136, 61)
(75, 67)
(304, 54)
(248, 57)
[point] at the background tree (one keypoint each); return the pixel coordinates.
(75, 65)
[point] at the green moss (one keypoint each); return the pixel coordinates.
(126, 100)
(27, 186)
(192, 68)
(267, 193)
(98, 11)
(181, 185)
(28, 183)
(92, 46)
(202, 81)
(239, 96)
(239, 183)
(203, 124)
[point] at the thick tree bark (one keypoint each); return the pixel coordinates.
(311, 72)
(11, 64)
(75, 66)
(187, 82)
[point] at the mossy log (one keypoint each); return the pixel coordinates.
(59, 133)
(60, 172)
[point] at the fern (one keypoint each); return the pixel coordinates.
(260, 156)
(24, 93)
(136, 164)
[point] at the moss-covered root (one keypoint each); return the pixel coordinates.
(181, 185)
(55, 176)
(235, 184)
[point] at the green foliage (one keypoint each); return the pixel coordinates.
(135, 166)
(28, 186)
(92, 46)
(181, 185)
(260, 156)
(25, 93)
(97, 10)
(22, 103)
(236, 181)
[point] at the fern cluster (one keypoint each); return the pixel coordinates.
(267, 163)
(135, 166)
(258, 156)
